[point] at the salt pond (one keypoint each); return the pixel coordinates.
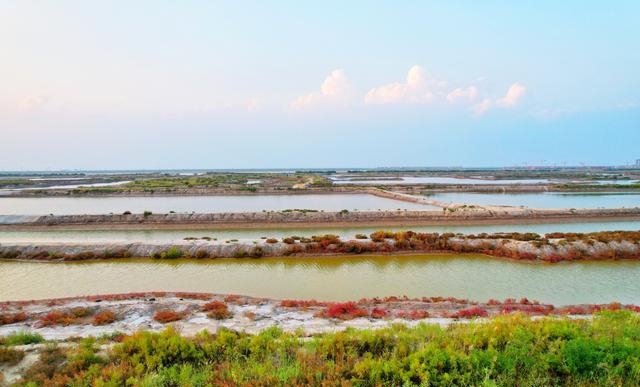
(332, 278)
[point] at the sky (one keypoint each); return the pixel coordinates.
(254, 84)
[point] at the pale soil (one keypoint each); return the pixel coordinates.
(135, 311)
(250, 315)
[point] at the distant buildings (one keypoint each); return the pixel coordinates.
(638, 163)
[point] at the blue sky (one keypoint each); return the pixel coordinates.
(205, 84)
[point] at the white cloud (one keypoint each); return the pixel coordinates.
(513, 96)
(482, 107)
(334, 89)
(418, 88)
(470, 93)
(34, 102)
(336, 84)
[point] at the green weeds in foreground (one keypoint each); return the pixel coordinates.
(507, 351)
(21, 338)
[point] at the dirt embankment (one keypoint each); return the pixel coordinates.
(412, 189)
(553, 247)
(193, 312)
(116, 191)
(453, 215)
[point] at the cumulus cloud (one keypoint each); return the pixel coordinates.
(417, 88)
(469, 94)
(334, 89)
(336, 84)
(513, 96)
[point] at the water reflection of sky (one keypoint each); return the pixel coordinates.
(199, 204)
(174, 236)
(543, 200)
(333, 278)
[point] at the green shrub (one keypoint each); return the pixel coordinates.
(511, 350)
(22, 338)
(172, 253)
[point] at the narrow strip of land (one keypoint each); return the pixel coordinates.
(448, 216)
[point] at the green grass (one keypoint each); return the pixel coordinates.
(598, 187)
(227, 181)
(22, 338)
(507, 351)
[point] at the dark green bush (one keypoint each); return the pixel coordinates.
(511, 350)
(172, 253)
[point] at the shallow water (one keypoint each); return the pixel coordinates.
(406, 180)
(332, 278)
(169, 236)
(435, 180)
(199, 204)
(543, 200)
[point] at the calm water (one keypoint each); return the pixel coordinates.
(168, 236)
(435, 180)
(405, 180)
(200, 204)
(544, 200)
(336, 278)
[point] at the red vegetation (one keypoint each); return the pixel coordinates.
(413, 314)
(56, 317)
(379, 313)
(300, 303)
(167, 315)
(217, 310)
(536, 309)
(474, 311)
(104, 317)
(344, 311)
(13, 318)
(64, 317)
(520, 246)
(232, 298)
